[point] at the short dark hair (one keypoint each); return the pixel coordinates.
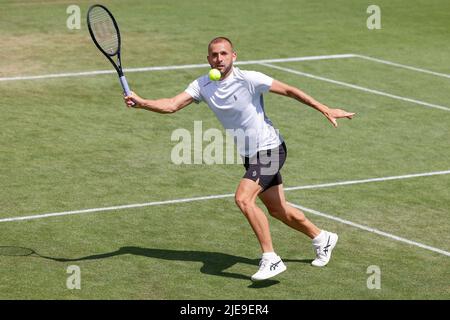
(220, 39)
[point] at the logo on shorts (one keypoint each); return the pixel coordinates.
(254, 173)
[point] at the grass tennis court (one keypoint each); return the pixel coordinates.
(68, 144)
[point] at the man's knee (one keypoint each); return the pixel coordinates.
(243, 201)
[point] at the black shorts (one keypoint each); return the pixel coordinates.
(265, 166)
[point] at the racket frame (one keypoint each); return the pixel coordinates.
(118, 65)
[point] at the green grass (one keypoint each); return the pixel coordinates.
(69, 144)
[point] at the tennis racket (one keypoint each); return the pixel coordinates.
(14, 251)
(106, 36)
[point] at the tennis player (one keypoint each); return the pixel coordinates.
(237, 101)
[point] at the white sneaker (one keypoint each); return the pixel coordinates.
(269, 268)
(324, 248)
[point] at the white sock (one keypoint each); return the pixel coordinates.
(269, 255)
(320, 237)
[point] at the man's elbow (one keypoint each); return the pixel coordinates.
(171, 107)
(290, 92)
(286, 90)
(169, 110)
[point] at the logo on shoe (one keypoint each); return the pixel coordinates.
(325, 249)
(273, 266)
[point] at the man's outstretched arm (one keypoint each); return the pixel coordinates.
(169, 105)
(295, 93)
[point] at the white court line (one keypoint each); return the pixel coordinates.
(403, 66)
(344, 183)
(127, 206)
(204, 65)
(345, 84)
(147, 204)
(162, 68)
(369, 229)
(373, 230)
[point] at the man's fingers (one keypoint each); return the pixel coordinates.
(347, 115)
(333, 121)
(338, 114)
(128, 101)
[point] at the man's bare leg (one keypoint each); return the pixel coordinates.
(322, 241)
(275, 202)
(245, 198)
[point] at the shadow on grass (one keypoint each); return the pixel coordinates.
(214, 263)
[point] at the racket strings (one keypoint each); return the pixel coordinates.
(104, 30)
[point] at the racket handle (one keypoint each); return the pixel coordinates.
(126, 88)
(124, 83)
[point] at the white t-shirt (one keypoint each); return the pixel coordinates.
(238, 103)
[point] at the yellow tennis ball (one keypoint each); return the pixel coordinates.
(214, 74)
